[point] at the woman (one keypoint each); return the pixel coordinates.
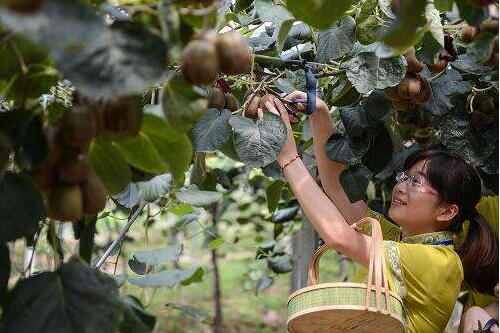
(434, 195)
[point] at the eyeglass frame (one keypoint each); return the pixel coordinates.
(415, 182)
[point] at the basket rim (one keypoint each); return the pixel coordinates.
(337, 285)
(339, 307)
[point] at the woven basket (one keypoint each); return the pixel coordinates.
(348, 307)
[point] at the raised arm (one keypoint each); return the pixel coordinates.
(329, 171)
(326, 219)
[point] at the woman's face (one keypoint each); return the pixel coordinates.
(414, 207)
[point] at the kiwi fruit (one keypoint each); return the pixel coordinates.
(123, 115)
(414, 65)
(410, 87)
(200, 64)
(74, 166)
(234, 53)
(438, 66)
(216, 99)
(65, 203)
(468, 33)
(252, 106)
(231, 102)
(78, 127)
(94, 195)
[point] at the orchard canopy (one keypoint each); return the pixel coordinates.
(131, 105)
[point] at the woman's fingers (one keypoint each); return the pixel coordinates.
(298, 95)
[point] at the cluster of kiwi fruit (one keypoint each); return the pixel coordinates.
(210, 53)
(413, 89)
(219, 100)
(71, 187)
(490, 25)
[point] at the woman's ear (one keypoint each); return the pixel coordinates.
(447, 213)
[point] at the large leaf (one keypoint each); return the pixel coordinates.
(481, 48)
(182, 104)
(155, 188)
(474, 15)
(354, 121)
(268, 11)
(9, 63)
(443, 88)
(397, 162)
(109, 165)
(380, 153)
(24, 133)
(340, 92)
(460, 137)
(344, 150)
(21, 207)
(174, 148)
(259, 142)
(337, 41)
(159, 256)
(135, 318)
(434, 23)
(273, 194)
(319, 14)
(122, 59)
(376, 107)
(367, 72)
(355, 181)
(402, 32)
(198, 198)
(75, 298)
(165, 279)
(140, 152)
(213, 131)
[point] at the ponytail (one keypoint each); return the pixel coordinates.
(479, 255)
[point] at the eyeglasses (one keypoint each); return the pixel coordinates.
(414, 183)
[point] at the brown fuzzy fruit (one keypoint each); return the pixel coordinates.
(94, 195)
(231, 102)
(414, 65)
(216, 99)
(207, 36)
(468, 33)
(410, 87)
(438, 66)
(490, 25)
(425, 92)
(74, 166)
(234, 53)
(123, 115)
(24, 6)
(78, 127)
(65, 203)
(252, 106)
(200, 64)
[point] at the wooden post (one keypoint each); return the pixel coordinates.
(304, 244)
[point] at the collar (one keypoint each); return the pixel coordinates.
(432, 238)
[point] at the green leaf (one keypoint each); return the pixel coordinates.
(369, 31)
(25, 135)
(344, 150)
(380, 152)
(280, 264)
(109, 165)
(263, 283)
(385, 7)
(66, 300)
(198, 198)
(129, 197)
(273, 194)
(355, 181)
(216, 243)
(367, 72)
(140, 152)
(213, 131)
(181, 209)
(472, 14)
(165, 279)
(444, 5)
(429, 49)
(137, 267)
(397, 161)
(155, 188)
(185, 220)
(199, 314)
(376, 107)
(481, 47)
(182, 104)
(285, 214)
(32, 54)
(21, 207)
(135, 318)
(159, 256)
(33, 84)
(259, 142)
(354, 121)
(125, 57)
(283, 31)
(268, 11)
(434, 23)
(340, 92)
(319, 14)
(443, 88)
(337, 41)
(402, 32)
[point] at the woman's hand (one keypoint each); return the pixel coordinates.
(289, 150)
(297, 94)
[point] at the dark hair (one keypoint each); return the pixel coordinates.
(458, 183)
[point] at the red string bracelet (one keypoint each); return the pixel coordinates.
(289, 162)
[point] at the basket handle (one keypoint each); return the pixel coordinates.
(377, 270)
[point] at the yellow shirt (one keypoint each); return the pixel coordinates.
(426, 276)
